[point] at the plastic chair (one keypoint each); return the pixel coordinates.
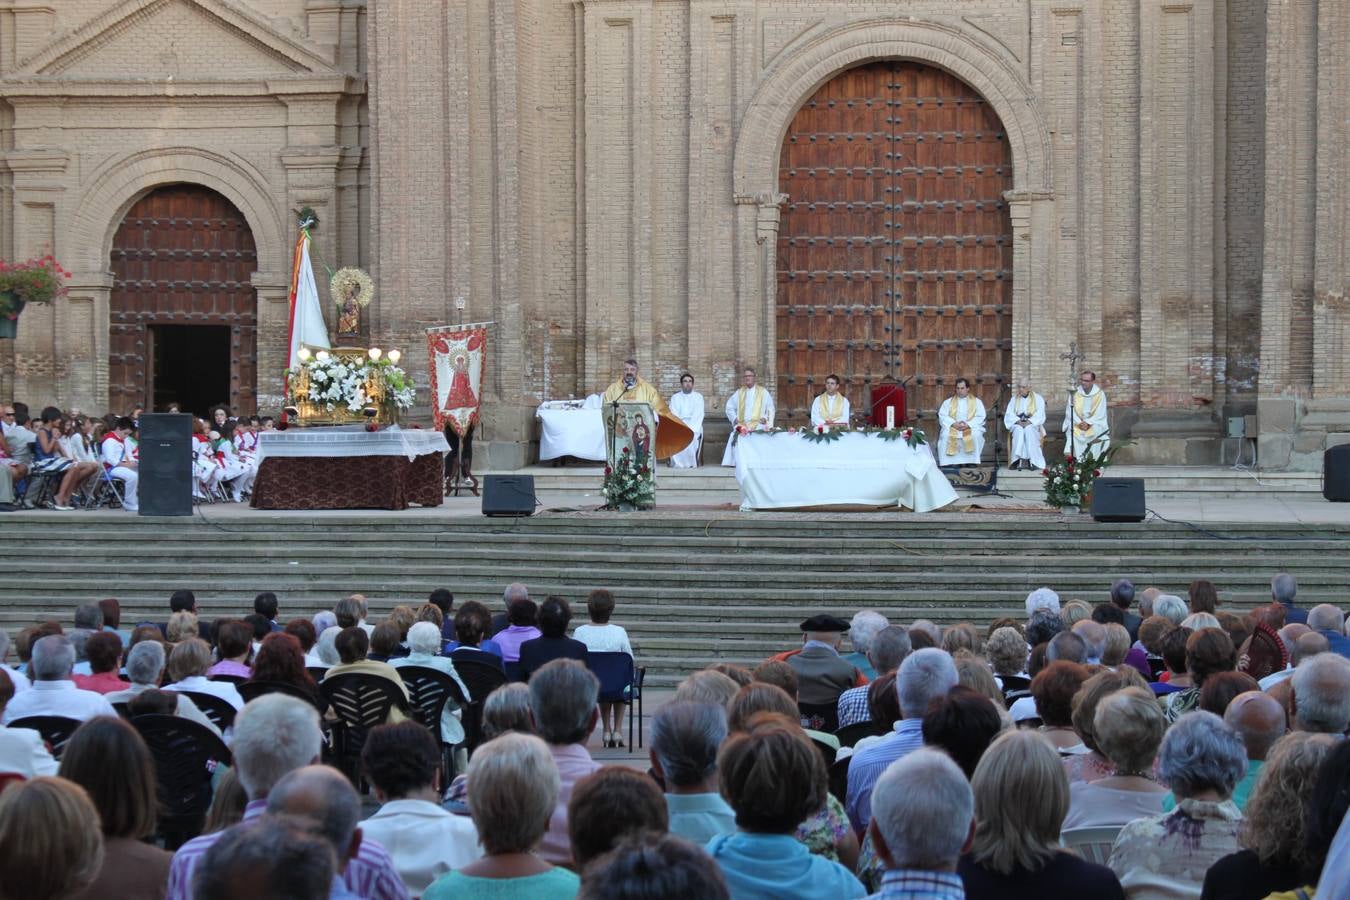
(820, 716)
(431, 689)
(620, 682)
(229, 679)
(513, 671)
(851, 734)
(55, 730)
(1011, 697)
(219, 710)
(360, 702)
(252, 690)
(185, 754)
(1015, 683)
(1093, 844)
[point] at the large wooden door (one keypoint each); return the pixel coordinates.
(895, 247)
(183, 255)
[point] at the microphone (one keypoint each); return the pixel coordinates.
(629, 381)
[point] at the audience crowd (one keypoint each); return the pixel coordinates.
(1148, 746)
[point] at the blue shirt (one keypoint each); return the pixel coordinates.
(916, 884)
(700, 817)
(871, 761)
(862, 664)
(779, 867)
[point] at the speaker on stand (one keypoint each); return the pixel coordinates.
(508, 495)
(166, 464)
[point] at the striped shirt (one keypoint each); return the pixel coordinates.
(870, 762)
(853, 707)
(913, 884)
(370, 873)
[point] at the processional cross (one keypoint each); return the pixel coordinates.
(1072, 357)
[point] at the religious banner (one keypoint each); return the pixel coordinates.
(630, 445)
(456, 363)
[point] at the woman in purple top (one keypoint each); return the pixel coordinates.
(521, 616)
(234, 643)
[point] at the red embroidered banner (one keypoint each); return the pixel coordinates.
(456, 355)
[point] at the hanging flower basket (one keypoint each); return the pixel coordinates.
(32, 281)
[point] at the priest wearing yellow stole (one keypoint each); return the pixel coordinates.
(672, 435)
(962, 419)
(752, 407)
(831, 408)
(1025, 421)
(1085, 418)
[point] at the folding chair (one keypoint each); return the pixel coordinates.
(107, 492)
(620, 682)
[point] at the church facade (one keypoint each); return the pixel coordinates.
(919, 191)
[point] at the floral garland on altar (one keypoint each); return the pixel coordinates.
(828, 434)
(333, 381)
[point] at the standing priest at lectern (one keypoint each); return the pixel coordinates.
(672, 435)
(830, 408)
(1085, 418)
(962, 419)
(1025, 421)
(752, 407)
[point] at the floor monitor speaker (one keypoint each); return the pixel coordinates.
(1336, 473)
(508, 495)
(1118, 500)
(165, 464)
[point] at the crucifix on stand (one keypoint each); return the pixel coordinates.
(1072, 357)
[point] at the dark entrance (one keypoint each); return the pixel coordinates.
(191, 366)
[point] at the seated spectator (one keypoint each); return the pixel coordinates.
(181, 627)
(352, 646)
(22, 750)
(739, 674)
(53, 848)
(53, 692)
(1021, 798)
(1260, 720)
(923, 819)
(609, 805)
(1073, 612)
(1328, 862)
(1203, 596)
(1117, 646)
(384, 644)
(49, 456)
(864, 626)
(152, 703)
(109, 759)
(961, 636)
(227, 806)
(563, 707)
(707, 686)
(1196, 621)
(653, 867)
(499, 622)
(1094, 640)
(424, 643)
(1320, 699)
(1174, 678)
(507, 709)
(103, 650)
(600, 636)
(963, 723)
(348, 612)
(521, 615)
(924, 676)
(774, 778)
(145, 669)
(513, 789)
(782, 676)
(323, 619)
(1171, 607)
(1329, 621)
(1093, 765)
(684, 740)
(1042, 625)
(886, 650)
(112, 618)
(1220, 688)
(402, 618)
(1122, 595)
(402, 763)
(553, 643)
(280, 661)
(234, 643)
(1066, 646)
(883, 708)
(265, 605)
(303, 631)
(1128, 727)
(259, 627)
(471, 624)
(973, 672)
(269, 856)
(1053, 690)
(444, 602)
(1042, 599)
(822, 674)
(188, 663)
(1168, 855)
(1008, 652)
(1274, 831)
(1208, 652)
(326, 647)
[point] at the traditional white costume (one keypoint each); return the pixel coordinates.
(751, 407)
(953, 447)
(206, 471)
(117, 452)
(830, 410)
(1091, 409)
(234, 470)
(689, 407)
(1025, 435)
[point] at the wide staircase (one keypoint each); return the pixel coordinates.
(692, 588)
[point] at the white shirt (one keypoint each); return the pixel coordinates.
(23, 752)
(20, 680)
(423, 840)
(603, 638)
(199, 684)
(58, 698)
(452, 726)
(313, 660)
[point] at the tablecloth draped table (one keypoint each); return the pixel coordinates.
(571, 428)
(786, 471)
(349, 468)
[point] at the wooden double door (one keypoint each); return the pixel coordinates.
(895, 246)
(183, 311)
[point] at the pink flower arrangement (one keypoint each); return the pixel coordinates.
(32, 281)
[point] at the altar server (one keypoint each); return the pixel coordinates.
(206, 470)
(1025, 421)
(962, 419)
(119, 458)
(688, 405)
(830, 408)
(751, 406)
(234, 470)
(1085, 418)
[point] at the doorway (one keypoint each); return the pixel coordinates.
(190, 366)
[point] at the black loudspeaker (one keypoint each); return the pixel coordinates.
(508, 495)
(1118, 500)
(166, 464)
(1336, 474)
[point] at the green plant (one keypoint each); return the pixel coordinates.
(630, 483)
(32, 281)
(1068, 481)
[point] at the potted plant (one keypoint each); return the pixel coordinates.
(33, 281)
(1069, 481)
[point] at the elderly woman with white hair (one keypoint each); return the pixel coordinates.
(1167, 855)
(424, 644)
(145, 668)
(1042, 598)
(1171, 607)
(864, 626)
(1128, 727)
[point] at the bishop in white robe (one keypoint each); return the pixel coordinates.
(751, 406)
(688, 405)
(1025, 421)
(961, 440)
(1085, 421)
(830, 408)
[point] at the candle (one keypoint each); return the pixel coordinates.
(890, 417)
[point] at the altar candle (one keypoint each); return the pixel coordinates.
(890, 417)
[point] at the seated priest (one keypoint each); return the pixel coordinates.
(750, 406)
(1025, 421)
(672, 435)
(962, 419)
(830, 409)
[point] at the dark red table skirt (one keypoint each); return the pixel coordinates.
(349, 482)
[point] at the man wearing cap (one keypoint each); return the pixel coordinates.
(822, 674)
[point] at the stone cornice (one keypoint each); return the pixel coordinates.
(55, 87)
(34, 161)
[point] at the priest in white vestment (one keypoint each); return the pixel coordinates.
(961, 440)
(1025, 421)
(751, 406)
(688, 405)
(830, 408)
(1085, 418)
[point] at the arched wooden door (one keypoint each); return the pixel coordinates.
(183, 312)
(895, 246)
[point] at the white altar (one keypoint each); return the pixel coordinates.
(571, 428)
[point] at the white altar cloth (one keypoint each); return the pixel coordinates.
(786, 471)
(571, 428)
(350, 440)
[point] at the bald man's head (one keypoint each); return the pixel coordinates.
(1259, 718)
(1307, 646)
(324, 796)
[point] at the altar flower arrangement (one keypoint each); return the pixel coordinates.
(1069, 480)
(332, 381)
(629, 484)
